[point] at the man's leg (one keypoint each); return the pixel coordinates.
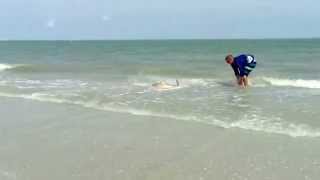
(241, 81)
(245, 81)
(248, 69)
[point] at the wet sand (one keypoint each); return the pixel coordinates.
(56, 141)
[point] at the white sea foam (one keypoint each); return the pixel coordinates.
(252, 123)
(141, 84)
(4, 67)
(300, 83)
(7, 175)
(275, 126)
(46, 84)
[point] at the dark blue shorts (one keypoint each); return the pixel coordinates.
(249, 68)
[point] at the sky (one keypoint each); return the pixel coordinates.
(158, 19)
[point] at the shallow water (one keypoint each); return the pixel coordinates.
(117, 76)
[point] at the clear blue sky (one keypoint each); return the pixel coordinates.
(158, 19)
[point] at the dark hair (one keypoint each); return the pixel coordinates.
(228, 56)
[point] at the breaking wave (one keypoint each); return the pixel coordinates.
(299, 83)
(252, 123)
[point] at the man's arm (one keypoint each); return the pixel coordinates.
(236, 70)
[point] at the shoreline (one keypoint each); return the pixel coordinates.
(53, 141)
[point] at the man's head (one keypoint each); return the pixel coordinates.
(229, 59)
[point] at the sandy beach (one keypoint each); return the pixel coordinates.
(79, 143)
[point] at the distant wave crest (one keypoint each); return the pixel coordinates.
(300, 83)
(38, 68)
(4, 67)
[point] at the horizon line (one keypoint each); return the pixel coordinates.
(166, 39)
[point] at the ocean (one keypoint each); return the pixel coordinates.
(43, 83)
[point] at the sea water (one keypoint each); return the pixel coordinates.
(117, 76)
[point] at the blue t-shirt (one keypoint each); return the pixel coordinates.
(243, 64)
